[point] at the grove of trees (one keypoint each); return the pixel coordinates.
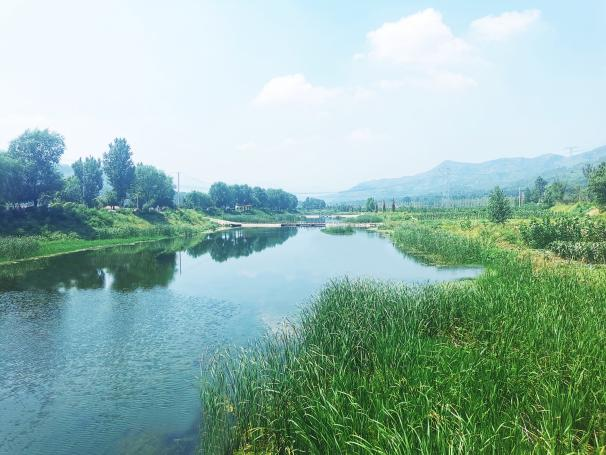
(30, 175)
(311, 203)
(224, 196)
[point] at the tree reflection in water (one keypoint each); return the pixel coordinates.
(142, 266)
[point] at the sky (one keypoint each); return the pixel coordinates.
(311, 96)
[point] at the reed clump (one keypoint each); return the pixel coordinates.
(513, 362)
(18, 247)
(339, 230)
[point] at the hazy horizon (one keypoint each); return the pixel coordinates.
(305, 96)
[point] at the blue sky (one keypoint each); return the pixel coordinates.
(309, 96)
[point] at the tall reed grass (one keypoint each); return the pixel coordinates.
(513, 362)
(18, 247)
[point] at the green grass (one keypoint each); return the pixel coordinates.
(339, 230)
(70, 227)
(260, 216)
(513, 362)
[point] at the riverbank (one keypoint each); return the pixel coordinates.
(50, 231)
(511, 362)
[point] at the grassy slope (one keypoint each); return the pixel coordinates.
(72, 227)
(510, 363)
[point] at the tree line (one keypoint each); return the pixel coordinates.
(227, 197)
(29, 175)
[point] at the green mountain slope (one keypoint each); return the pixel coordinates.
(475, 179)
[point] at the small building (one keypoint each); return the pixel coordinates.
(243, 208)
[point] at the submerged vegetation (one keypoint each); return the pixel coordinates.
(511, 362)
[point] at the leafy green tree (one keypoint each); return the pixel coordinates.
(371, 204)
(311, 203)
(596, 183)
(197, 200)
(499, 206)
(280, 200)
(538, 192)
(222, 195)
(393, 205)
(72, 191)
(11, 179)
(119, 168)
(384, 208)
(89, 175)
(152, 187)
(38, 152)
(260, 199)
(554, 193)
(243, 194)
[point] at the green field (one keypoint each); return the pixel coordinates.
(512, 362)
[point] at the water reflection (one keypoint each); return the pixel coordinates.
(143, 266)
(240, 243)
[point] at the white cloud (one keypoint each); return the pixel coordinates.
(360, 135)
(293, 89)
(505, 25)
(421, 40)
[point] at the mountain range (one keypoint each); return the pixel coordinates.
(459, 179)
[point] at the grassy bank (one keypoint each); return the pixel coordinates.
(65, 228)
(510, 363)
(259, 216)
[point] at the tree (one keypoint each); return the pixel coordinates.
(152, 187)
(90, 179)
(197, 200)
(596, 183)
(260, 199)
(384, 209)
(554, 193)
(538, 192)
(222, 195)
(393, 205)
(72, 191)
(38, 152)
(119, 168)
(371, 204)
(311, 203)
(499, 206)
(11, 179)
(279, 200)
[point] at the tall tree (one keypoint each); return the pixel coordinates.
(596, 183)
(38, 152)
(11, 179)
(197, 200)
(371, 204)
(119, 168)
(499, 206)
(393, 204)
(153, 187)
(90, 178)
(222, 195)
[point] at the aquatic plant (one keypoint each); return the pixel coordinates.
(510, 363)
(338, 230)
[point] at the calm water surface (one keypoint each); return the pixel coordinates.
(100, 352)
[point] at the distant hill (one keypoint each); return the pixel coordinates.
(476, 179)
